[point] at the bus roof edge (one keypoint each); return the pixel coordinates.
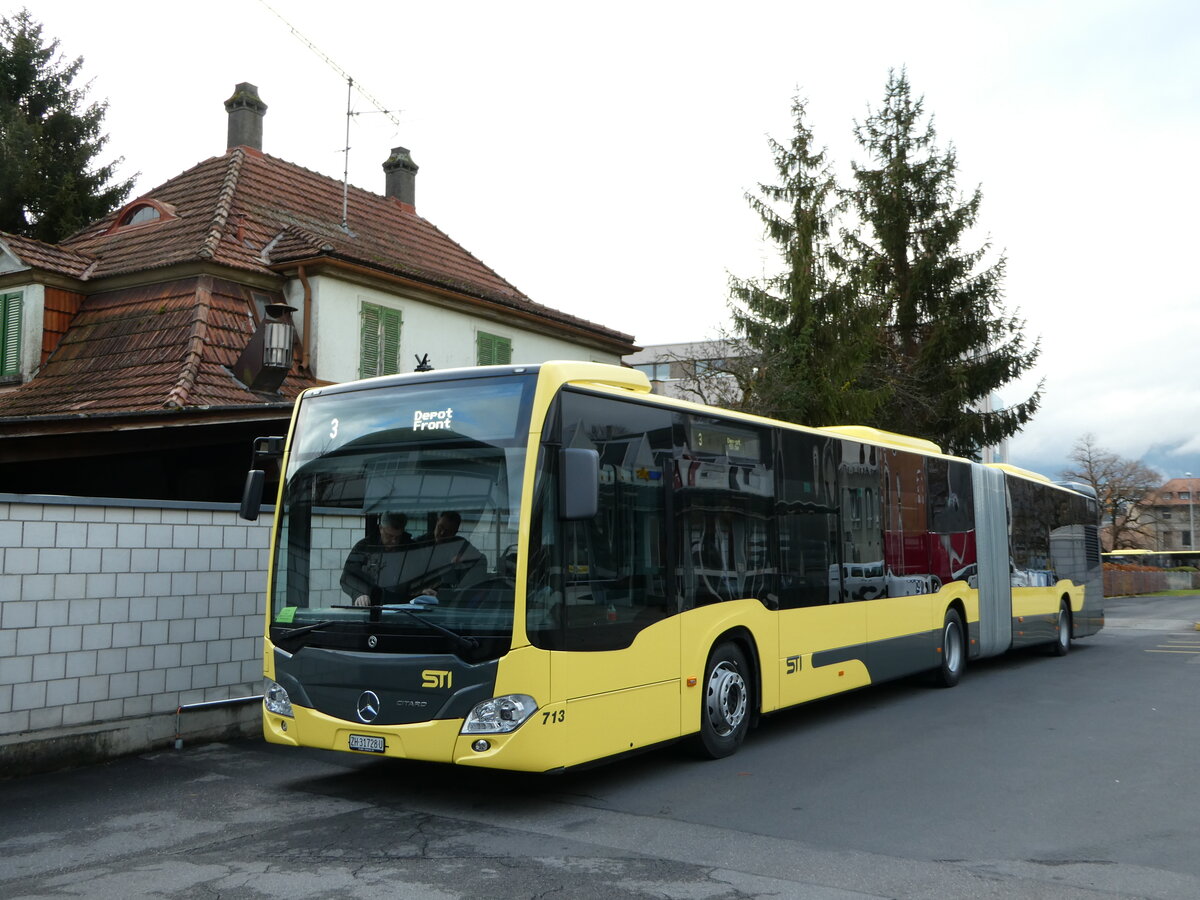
(1025, 473)
(879, 436)
(597, 373)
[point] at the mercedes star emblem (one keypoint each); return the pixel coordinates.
(368, 706)
(372, 642)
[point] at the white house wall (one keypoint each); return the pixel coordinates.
(446, 335)
(33, 304)
(33, 301)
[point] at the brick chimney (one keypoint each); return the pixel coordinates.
(246, 111)
(401, 174)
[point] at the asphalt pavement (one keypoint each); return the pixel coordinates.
(1081, 789)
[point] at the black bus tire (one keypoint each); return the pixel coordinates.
(726, 704)
(953, 651)
(1062, 631)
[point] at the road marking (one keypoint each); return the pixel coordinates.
(1183, 642)
(1191, 652)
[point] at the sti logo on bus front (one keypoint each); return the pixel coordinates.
(434, 420)
(436, 678)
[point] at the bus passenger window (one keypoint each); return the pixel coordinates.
(724, 499)
(951, 538)
(1033, 518)
(613, 567)
(807, 515)
(859, 478)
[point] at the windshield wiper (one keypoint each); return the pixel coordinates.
(300, 632)
(461, 640)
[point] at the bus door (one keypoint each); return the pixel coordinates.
(615, 667)
(822, 621)
(904, 624)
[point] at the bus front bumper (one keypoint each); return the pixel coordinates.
(439, 740)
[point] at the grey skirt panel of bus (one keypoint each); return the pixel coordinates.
(991, 542)
(1075, 550)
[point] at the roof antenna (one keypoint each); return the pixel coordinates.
(350, 87)
(423, 363)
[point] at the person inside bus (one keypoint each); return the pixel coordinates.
(452, 560)
(369, 563)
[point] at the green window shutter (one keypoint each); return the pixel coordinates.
(10, 334)
(368, 352)
(492, 350)
(379, 340)
(389, 353)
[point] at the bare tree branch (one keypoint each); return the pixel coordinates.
(1122, 486)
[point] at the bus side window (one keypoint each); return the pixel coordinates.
(614, 564)
(1032, 521)
(951, 538)
(807, 513)
(725, 503)
(860, 482)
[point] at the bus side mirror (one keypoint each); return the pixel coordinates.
(252, 495)
(578, 484)
(264, 449)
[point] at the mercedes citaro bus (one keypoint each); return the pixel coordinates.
(538, 567)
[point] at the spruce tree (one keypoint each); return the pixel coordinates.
(49, 185)
(805, 335)
(947, 343)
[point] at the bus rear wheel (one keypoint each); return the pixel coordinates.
(1062, 629)
(727, 703)
(954, 651)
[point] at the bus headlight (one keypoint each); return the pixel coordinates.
(276, 700)
(500, 714)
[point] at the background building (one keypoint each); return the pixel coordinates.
(1171, 515)
(690, 370)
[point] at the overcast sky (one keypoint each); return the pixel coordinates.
(597, 155)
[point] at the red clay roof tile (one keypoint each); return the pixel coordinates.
(51, 257)
(147, 349)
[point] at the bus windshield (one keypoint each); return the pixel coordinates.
(400, 516)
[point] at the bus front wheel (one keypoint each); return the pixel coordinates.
(726, 704)
(954, 650)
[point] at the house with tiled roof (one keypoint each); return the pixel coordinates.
(141, 356)
(1167, 517)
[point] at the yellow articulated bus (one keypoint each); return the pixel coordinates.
(539, 567)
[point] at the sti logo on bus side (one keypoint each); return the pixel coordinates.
(436, 678)
(434, 420)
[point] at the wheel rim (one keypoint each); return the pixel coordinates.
(1064, 629)
(952, 647)
(726, 699)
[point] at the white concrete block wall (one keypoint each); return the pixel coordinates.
(112, 609)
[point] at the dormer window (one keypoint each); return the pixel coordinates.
(142, 212)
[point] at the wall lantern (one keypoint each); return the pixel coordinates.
(268, 355)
